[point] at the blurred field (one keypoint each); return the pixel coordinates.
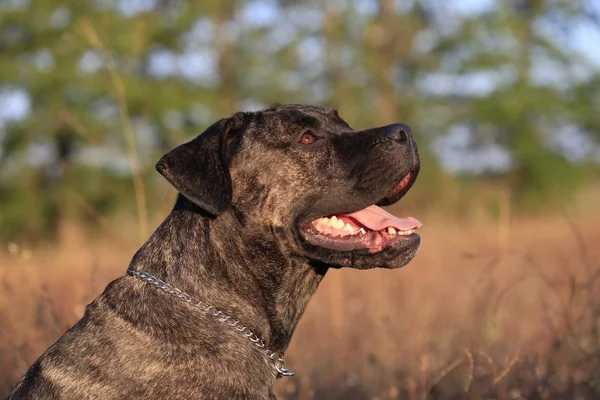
(505, 311)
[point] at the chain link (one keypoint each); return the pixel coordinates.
(274, 357)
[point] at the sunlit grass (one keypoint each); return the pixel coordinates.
(468, 318)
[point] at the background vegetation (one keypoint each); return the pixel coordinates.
(504, 98)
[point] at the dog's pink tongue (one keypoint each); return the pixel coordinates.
(376, 218)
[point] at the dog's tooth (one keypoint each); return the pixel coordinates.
(391, 230)
(348, 228)
(339, 224)
(362, 231)
(333, 218)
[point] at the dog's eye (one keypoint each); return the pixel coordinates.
(308, 138)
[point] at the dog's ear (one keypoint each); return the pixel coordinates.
(199, 169)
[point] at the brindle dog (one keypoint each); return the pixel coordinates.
(268, 202)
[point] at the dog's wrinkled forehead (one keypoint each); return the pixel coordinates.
(303, 116)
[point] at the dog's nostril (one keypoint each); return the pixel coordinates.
(398, 132)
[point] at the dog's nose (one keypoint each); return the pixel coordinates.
(398, 132)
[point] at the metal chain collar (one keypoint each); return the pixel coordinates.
(273, 356)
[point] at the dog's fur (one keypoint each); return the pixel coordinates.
(233, 240)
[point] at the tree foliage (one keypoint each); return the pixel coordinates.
(112, 84)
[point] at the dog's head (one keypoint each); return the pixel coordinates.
(302, 176)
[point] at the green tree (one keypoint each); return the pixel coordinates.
(510, 45)
(88, 70)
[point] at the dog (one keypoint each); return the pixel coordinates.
(268, 202)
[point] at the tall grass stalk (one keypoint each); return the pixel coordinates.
(132, 152)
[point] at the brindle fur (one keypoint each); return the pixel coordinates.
(232, 241)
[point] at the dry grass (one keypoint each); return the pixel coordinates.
(481, 313)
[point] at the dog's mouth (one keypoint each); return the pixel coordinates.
(372, 228)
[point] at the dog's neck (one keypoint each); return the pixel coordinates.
(266, 290)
